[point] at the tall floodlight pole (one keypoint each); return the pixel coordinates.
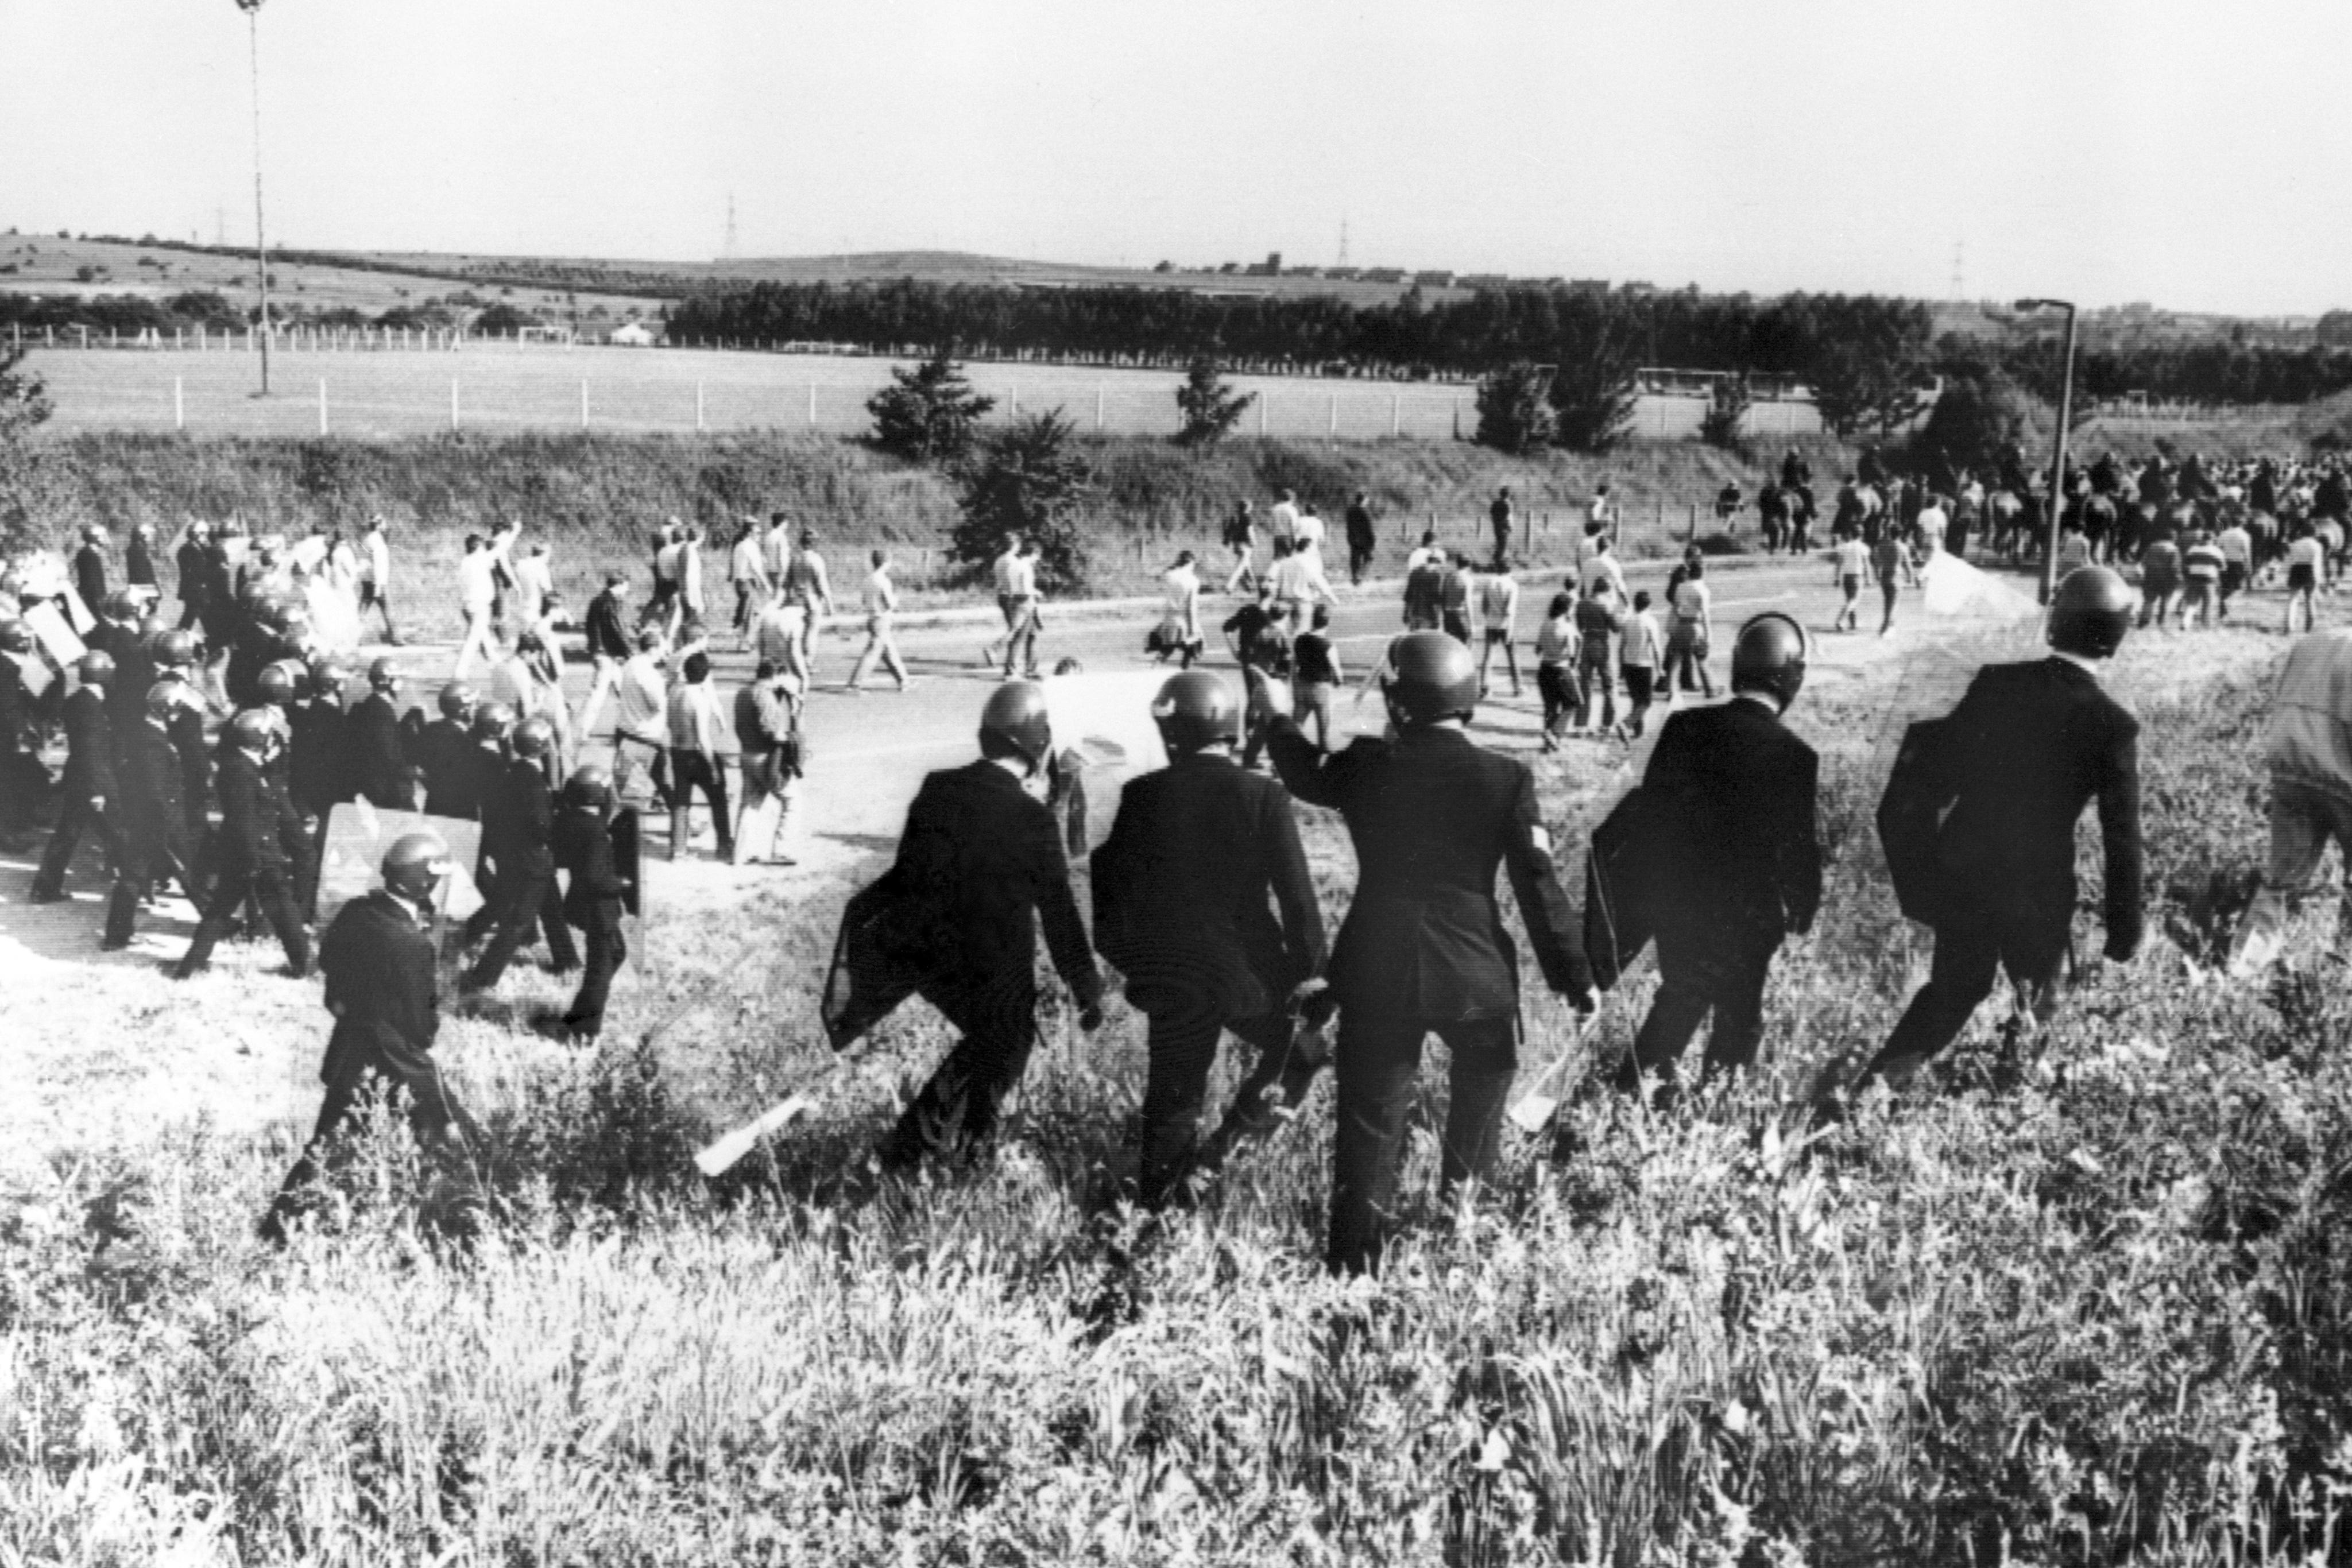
(2058, 459)
(252, 9)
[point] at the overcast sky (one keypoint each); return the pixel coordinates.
(2194, 154)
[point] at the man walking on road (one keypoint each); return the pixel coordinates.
(375, 576)
(881, 605)
(478, 594)
(89, 801)
(1363, 539)
(607, 636)
(1200, 857)
(1501, 514)
(249, 853)
(1020, 593)
(1433, 818)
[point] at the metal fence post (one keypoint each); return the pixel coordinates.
(697, 407)
(322, 405)
(179, 406)
(583, 405)
(812, 411)
(453, 402)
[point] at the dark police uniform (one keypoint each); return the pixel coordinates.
(23, 781)
(379, 966)
(518, 825)
(153, 815)
(2026, 749)
(378, 768)
(249, 858)
(1423, 950)
(1185, 889)
(445, 753)
(188, 744)
(194, 585)
(88, 780)
(134, 671)
(979, 862)
(1746, 874)
(582, 846)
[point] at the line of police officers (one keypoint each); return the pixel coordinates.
(1204, 901)
(140, 774)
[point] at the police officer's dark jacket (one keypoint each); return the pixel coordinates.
(254, 812)
(1744, 787)
(1185, 888)
(318, 756)
(379, 968)
(1432, 817)
(154, 812)
(518, 819)
(379, 763)
(981, 861)
(2028, 747)
(451, 788)
(582, 846)
(90, 744)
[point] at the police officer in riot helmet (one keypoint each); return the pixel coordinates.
(249, 855)
(87, 788)
(593, 899)
(381, 988)
(980, 862)
(1744, 867)
(518, 835)
(1200, 858)
(1433, 818)
(2009, 773)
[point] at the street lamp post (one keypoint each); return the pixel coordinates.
(252, 9)
(2058, 460)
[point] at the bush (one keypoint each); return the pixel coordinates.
(1027, 481)
(1209, 408)
(30, 497)
(1514, 415)
(1727, 407)
(1979, 417)
(928, 413)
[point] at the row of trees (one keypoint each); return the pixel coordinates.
(213, 312)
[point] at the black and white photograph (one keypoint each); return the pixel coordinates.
(1007, 783)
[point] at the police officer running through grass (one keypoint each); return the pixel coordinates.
(379, 961)
(1200, 858)
(1422, 950)
(2000, 784)
(1737, 792)
(980, 859)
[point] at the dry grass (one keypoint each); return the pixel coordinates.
(2095, 1316)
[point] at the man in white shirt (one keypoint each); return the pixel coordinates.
(478, 596)
(700, 730)
(1307, 534)
(1298, 585)
(1930, 524)
(1021, 621)
(1282, 520)
(1602, 566)
(746, 569)
(375, 576)
(1496, 593)
(1425, 552)
(776, 550)
(1000, 573)
(640, 725)
(1600, 517)
(881, 604)
(2237, 546)
(534, 581)
(530, 682)
(1849, 564)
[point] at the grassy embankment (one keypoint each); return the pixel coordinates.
(593, 498)
(2097, 1316)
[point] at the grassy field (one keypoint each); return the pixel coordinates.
(2096, 1315)
(593, 498)
(504, 387)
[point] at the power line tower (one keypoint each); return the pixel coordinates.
(1343, 241)
(1959, 274)
(727, 253)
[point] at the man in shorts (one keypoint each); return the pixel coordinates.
(1499, 616)
(1849, 560)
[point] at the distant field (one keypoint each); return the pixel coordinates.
(510, 388)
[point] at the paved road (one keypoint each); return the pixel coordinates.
(870, 752)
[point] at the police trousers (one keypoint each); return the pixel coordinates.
(1185, 1029)
(76, 817)
(606, 948)
(269, 887)
(1378, 1061)
(1698, 976)
(959, 1109)
(524, 899)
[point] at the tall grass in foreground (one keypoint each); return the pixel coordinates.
(2091, 1308)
